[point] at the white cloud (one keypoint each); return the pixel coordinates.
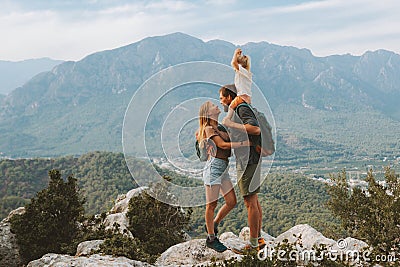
(325, 27)
(221, 3)
(174, 6)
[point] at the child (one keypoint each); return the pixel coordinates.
(243, 81)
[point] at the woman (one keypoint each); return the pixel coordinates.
(215, 175)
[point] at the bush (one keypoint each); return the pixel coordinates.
(370, 214)
(157, 225)
(118, 244)
(51, 220)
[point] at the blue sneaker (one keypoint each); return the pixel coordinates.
(216, 245)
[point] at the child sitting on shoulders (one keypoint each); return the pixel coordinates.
(243, 81)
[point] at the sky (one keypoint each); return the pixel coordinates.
(73, 29)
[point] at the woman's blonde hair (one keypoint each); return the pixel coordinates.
(204, 120)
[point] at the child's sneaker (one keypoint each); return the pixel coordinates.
(216, 245)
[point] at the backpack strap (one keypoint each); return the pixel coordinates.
(245, 105)
(222, 128)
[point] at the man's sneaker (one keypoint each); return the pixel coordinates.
(215, 229)
(248, 249)
(216, 245)
(261, 243)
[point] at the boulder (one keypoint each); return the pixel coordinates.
(17, 211)
(122, 202)
(195, 252)
(309, 237)
(9, 250)
(118, 218)
(91, 261)
(87, 247)
(349, 244)
(117, 214)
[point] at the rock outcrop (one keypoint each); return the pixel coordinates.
(117, 214)
(311, 237)
(91, 261)
(195, 252)
(88, 247)
(122, 202)
(9, 251)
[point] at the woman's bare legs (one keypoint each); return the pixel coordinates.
(230, 200)
(212, 192)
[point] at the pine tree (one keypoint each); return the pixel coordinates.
(370, 214)
(51, 220)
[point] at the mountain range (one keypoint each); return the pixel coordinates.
(14, 74)
(339, 106)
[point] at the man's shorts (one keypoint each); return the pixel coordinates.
(215, 170)
(249, 178)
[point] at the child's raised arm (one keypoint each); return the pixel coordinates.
(234, 61)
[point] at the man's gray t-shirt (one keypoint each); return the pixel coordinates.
(244, 115)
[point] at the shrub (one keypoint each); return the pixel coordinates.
(157, 225)
(371, 214)
(51, 220)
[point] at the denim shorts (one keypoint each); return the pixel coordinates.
(215, 170)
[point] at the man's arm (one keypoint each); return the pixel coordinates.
(249, 122)
(250, 129)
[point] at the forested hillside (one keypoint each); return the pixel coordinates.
(101, 176)
(286, 199)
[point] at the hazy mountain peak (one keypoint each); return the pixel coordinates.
(14, 74)
(220, 43)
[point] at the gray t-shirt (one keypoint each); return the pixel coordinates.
(245, 115)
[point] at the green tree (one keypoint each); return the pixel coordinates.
(371, 214)
(156, 224)
(51, 220)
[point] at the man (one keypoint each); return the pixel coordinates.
(244, 125)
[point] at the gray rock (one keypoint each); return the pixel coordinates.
(17, 211)
(118, 212)
(86, 248)
(119, 218)
(309, 237)
(9, 250)
(195, 252)
(122, 202)
(91, 261)
(349, 244)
